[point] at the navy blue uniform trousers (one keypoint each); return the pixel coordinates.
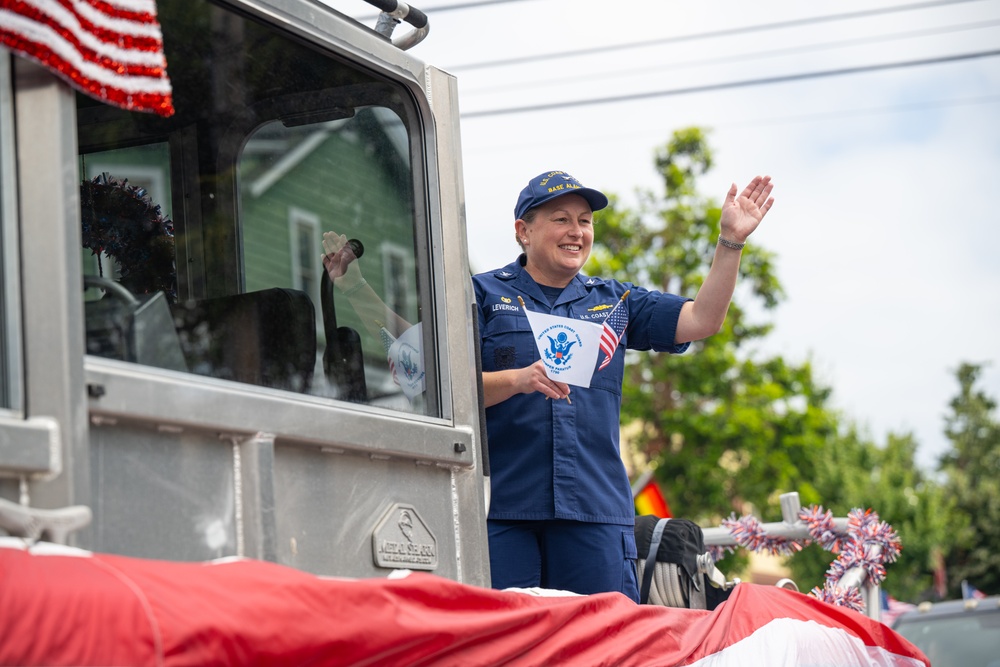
(566, 555)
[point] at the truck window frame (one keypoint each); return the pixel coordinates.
(190, 281)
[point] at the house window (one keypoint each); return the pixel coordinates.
(304, 236)
(397, 268)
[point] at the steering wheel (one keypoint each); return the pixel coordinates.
(110, 287)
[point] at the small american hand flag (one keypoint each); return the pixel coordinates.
(614, 327)
(387, 340)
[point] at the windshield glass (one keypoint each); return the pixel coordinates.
(965, 640)
(204, 234)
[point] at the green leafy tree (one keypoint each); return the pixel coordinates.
(972, 470)
(721, 429)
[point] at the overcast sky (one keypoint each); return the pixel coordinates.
(878, 121)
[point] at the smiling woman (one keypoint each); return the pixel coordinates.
(561, 514)
(556, 238)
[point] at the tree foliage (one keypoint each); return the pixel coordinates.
(972, 474)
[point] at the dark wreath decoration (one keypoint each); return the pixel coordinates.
(122, 221)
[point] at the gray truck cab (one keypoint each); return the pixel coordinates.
(179, 379)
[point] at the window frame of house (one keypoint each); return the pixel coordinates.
(299, 218)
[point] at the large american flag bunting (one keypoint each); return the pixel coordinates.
(65, 606)
(109, 49)
(614, 327)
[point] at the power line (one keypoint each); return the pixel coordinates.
(467, 5)
(731, 84)
(447, 8)
(870, 111)
(758, 122)
(703, 35)
(742, 57)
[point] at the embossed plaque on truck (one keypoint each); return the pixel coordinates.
(401, 539)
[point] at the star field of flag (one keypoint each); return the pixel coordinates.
(614, 327)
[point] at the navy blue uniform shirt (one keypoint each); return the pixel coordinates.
(555, 459)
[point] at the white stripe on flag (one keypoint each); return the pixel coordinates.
(794, 643)
(612, 330)
(112, 51)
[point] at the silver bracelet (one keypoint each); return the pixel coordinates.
(731, 244)
(351, 290)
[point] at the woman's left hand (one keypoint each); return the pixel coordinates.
(741, 215)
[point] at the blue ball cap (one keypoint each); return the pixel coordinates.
(552, 184)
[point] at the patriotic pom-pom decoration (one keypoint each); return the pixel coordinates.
(868, 543)
(822, 528)
(842, 597)
(122, 222)
(750, 534)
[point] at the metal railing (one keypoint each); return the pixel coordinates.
(395, 11)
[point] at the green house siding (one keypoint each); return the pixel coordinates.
(350, 192)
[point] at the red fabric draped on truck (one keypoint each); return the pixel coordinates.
(60, 606)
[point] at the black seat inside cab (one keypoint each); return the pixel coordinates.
(265, 338)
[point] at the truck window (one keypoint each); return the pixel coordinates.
(203, 232)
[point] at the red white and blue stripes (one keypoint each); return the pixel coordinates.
(611, 332)
(111, 50)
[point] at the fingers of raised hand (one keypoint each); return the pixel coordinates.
(755, 198)
(764, 191)
(333, 242)
(758, 189)
(766, 206)
(731, 195)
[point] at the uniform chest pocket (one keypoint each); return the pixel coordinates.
(508, 342)
(610, 377)
(607, 380)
